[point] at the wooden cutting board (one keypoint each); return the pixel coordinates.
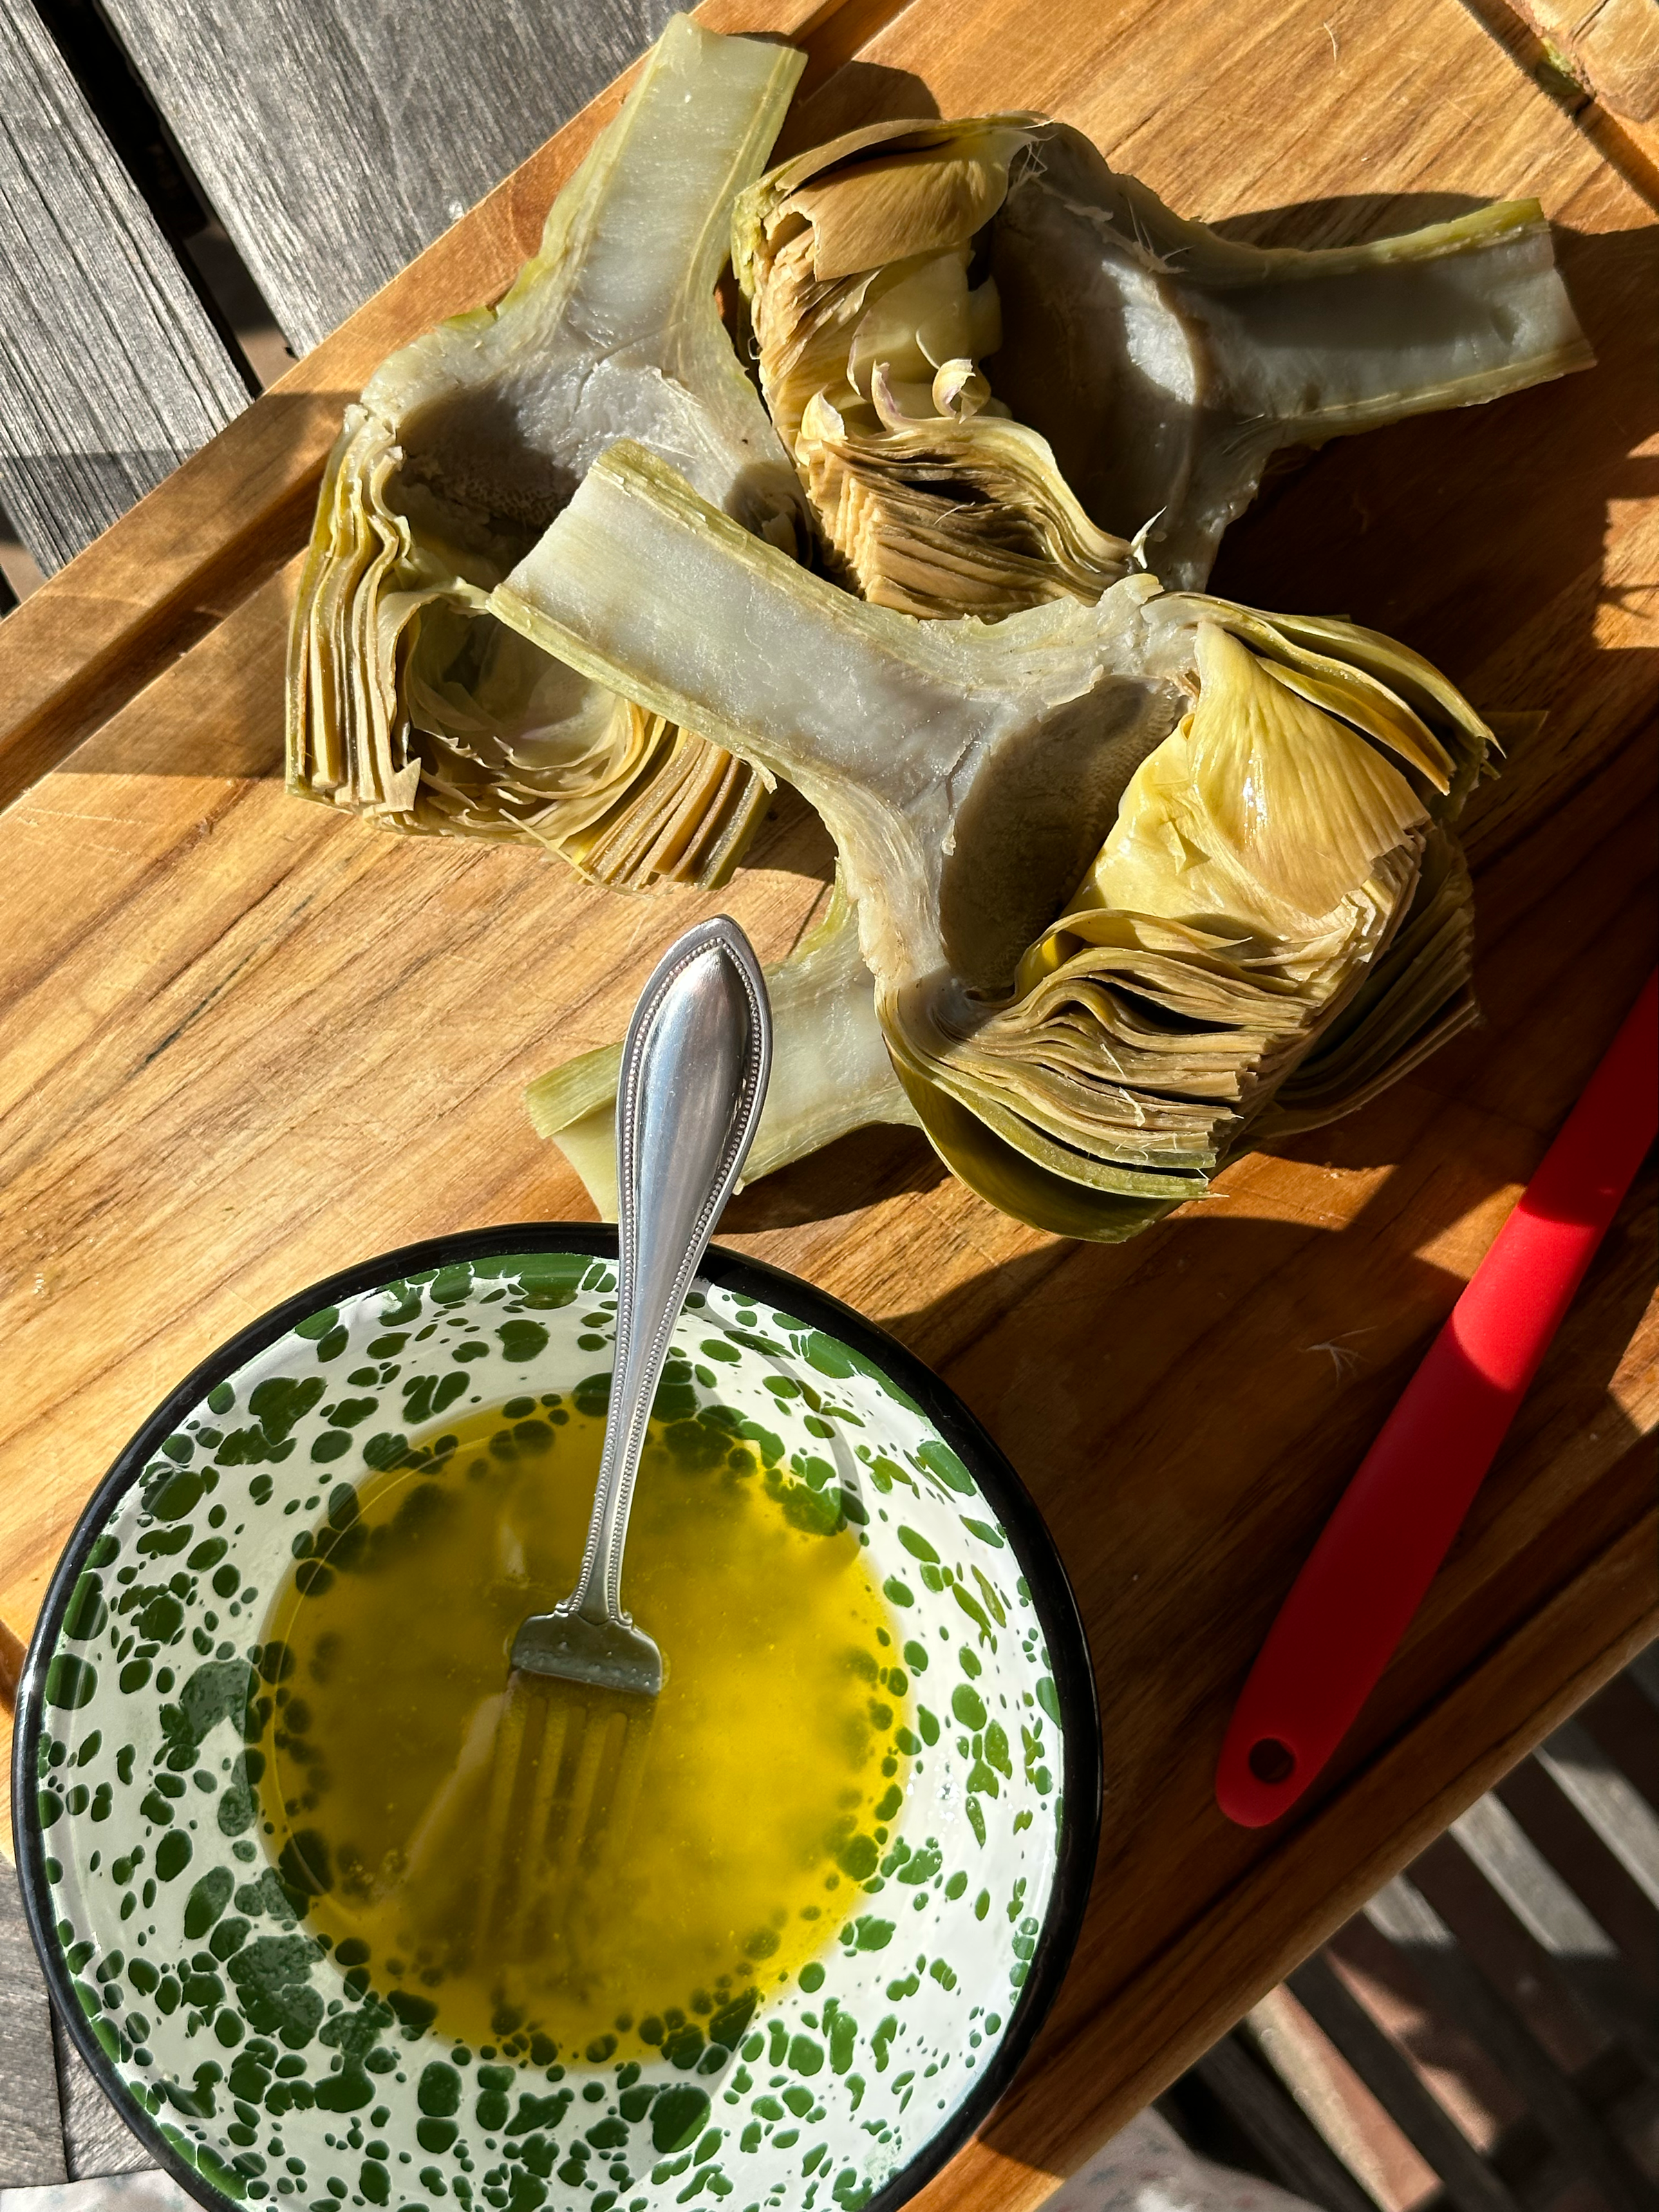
(245, 1041)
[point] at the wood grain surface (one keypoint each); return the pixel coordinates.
(244, 1041)
(1611, 48)
(338, 137)
(110, 371)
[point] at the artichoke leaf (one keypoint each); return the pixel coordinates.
(1258, 815)
(1016, 1184)
(408, 702)
(1403, 1012)
(895, 206)
(1154, 364)
(928, 499)
(831, 1072)
(1227, 861)
(957, 512)
(1460, 741)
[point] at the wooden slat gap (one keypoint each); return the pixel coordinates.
(1391, 2078)
(121, 106)
(1418, 1932)
(1261, 2103)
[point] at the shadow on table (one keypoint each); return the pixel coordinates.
(1183, 1498)
(849, 96)
(1059, 1347)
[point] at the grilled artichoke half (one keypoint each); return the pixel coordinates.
(1003, 369)
(408, 701)
(1133, 878)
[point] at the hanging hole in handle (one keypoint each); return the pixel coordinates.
(1271, 1761)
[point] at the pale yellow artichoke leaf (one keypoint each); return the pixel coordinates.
(898, 206)
(1416, 998)
(926, 501)
(1258, 816)
(1355, 697)
(957, 513)
(1304, 643)
(1015, 1183)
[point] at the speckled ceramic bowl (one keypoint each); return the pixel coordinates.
(261, 2070)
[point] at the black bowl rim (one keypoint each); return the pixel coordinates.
(1035, 1547)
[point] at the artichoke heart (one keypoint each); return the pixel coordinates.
(408, 701)
(1123, 870)
(1143, 367)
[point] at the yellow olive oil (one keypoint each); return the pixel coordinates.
(767, 1777)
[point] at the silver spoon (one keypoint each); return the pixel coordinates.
(694, 1065)
(694, 1071)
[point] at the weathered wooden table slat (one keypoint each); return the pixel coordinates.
(111, 372)
(338, 139)
(326, 141)
(245, 1041)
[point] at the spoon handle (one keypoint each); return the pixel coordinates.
(694, 1065)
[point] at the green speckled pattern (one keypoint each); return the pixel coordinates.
(282, 2074)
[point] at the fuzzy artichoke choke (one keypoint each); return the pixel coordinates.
(1004, 371)
(408, 701)
(1123, 870)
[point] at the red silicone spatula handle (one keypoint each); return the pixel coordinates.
(1366, 1578)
